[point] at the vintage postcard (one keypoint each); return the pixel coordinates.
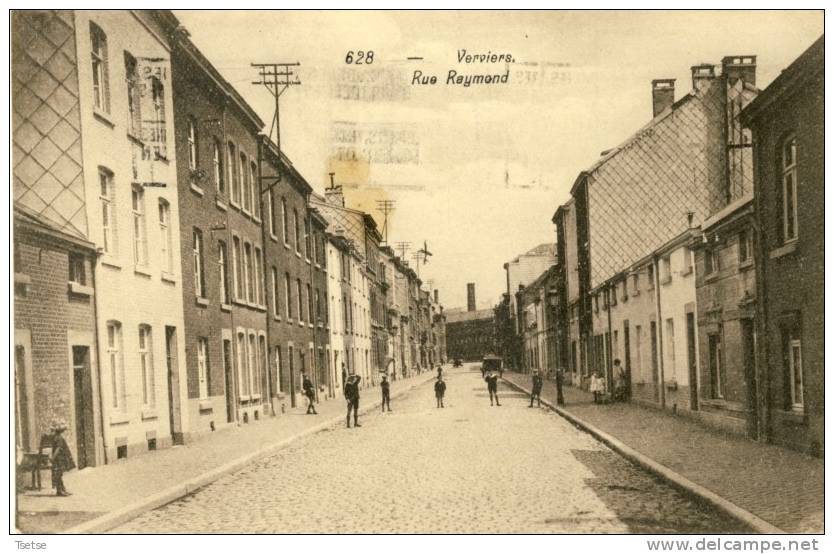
(418, 272)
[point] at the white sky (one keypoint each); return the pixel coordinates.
(494, 161)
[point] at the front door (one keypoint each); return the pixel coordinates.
(83, 396)
(230, 386)
(174, 414)
(22, 430)
(693, 366)
(655, 371)
(627, 358)
(748, 342)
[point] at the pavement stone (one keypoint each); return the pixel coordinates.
(780, 486)
(97, 491)
(465, 468)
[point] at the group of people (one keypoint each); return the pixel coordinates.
(599, 388)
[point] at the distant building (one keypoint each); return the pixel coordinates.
(470, 297)
(470, 334)
(788, 132)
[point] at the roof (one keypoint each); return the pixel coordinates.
(38, 222)
(458, 315)
(545, 249)
(806, 66)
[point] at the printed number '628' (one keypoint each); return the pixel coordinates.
(360, 57)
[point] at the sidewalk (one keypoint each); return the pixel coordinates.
(782, 487)
(125, 488)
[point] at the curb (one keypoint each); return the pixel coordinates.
(672, 477)
(122, 515)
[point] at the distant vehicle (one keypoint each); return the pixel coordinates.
(492, 362)
(457, 362)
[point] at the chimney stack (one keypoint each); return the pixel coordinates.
(739, 67)
(663, 95)
(702, 75)
(470, 297)
(333, 194)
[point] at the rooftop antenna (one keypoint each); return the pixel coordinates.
(403, 247)
(386, 207)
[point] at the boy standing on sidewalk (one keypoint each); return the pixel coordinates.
(537, 389)
(310, 393)
(439, 391)
(386, 393)
(492, 387)
(61, 459)
(352, 397)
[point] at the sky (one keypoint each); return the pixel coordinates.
(475, 172)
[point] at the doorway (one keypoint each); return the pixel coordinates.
(83, 396)
(174, 408)
(229, 383)
(691, 361)
(627, 358)
(748, 343)
(655, 376)
(22, 429)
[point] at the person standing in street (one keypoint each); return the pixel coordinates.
(440, 372)
(492, 386)
(386, 393)
(61, 459)
(439, 390)
(310, 393)
(352, 397)
(619, 381)
(537, 389)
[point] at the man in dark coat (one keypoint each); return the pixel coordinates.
(492, 386)
(310, 393)
(386, 393)
(440, 371)
(352, 397)
(439, 391)
(61, 459)
(537, 389)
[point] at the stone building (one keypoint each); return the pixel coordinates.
(470, 334)
(55, 345)
(523, 269)
(221, 254)
(787, 126)
(537, 304)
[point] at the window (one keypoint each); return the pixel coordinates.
(710, 261)
(745, 247)
(300, 298)
(231, 178)
(274, 273)
(140, 247)
(108, 216)
(224, 272)
(146, 366)
(284, 219)
(345, 305)
(789, 212)
(271, 215)
(670, 343)
(98, 52)
(77, 273)
(297, 231)
(248, 274)
(192, 145)
(794, 377)
(166, 250)
(134, 97)
(279, 369)
(252, 366)
(237, 269)
(287, 295)
(687, 261)
(115, 366)
(612, 294)
(242, 372)
(263, 364)
(217, 167)
(309, 304)
(638, 338)
(716, 367)
(245, 183)
(650, 277)
(635, 284)
(259, 278)
(199, 268)
(159, 138)
(307, 238)
(203, 367)
(666, 269)
(318, 306)
(624, 294)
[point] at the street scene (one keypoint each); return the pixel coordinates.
(436, 272)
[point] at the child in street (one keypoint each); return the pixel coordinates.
(439, 391)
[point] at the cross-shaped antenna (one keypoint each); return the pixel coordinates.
(385, 206)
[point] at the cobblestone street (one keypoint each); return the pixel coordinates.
(466, 468)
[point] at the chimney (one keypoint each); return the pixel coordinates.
(436, 297)
(470, 297)
(333, 194)
(739, 67)
(663, 95)
(702, 75)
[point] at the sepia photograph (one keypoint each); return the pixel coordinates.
(400, 272)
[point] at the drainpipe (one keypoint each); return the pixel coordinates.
(264, 281)
(98, 355)
(609, 370)
(307, 252)
(659, 313)
(230, 249)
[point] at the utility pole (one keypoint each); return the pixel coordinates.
(403, 247)
(276, 78)
(386, 207)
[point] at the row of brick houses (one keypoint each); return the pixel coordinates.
(693, 253)
(174, 273)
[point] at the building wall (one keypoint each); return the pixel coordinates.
(336, 307)
(794, 272)
(125, 289)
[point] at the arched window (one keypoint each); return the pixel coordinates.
(115, 365)
(192, 144)
(790, 223)
(284, 223)
(98, 53)
(217, 167)
(165, 233)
